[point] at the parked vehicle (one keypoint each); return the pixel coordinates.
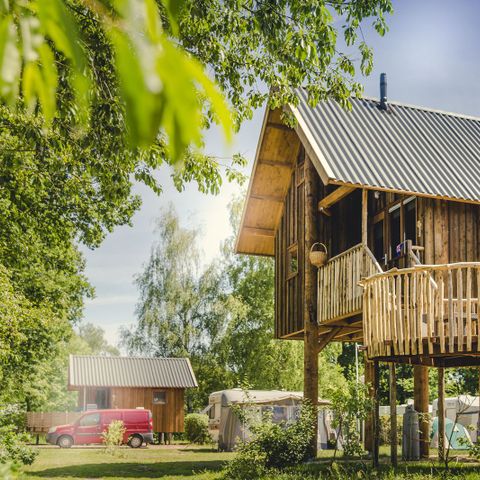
(89, 427)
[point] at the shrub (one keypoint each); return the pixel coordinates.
(272, 446)
(113, 436)
(14, 448)
(196, 428)
(12, 414)
(350, 404)
(385, 428)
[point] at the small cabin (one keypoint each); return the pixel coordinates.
(391, 193)
(156, 384)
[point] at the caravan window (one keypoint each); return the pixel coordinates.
(211, 412)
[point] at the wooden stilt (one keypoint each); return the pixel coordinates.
(441, 413)
(310, 312)
(420, 398)
(369, 380)
(393, 416)
(376, 414)
(478, 419)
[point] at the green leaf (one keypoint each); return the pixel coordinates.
(59, 25)
(174, 8)
(10, 63)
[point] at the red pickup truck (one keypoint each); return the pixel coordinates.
(89, 427)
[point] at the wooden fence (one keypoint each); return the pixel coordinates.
(41, 422)
(339, 292)
(422, 310)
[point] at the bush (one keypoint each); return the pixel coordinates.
(273, 446)
(385, 428)
(14, 448)
(13, 414)
(196, 428)
(113, 436)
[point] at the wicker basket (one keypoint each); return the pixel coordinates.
(318, 258)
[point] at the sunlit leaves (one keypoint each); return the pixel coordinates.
(283, 45)
(9, 59)
(163, 89)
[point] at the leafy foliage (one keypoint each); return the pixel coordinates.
(272, 446)
(35, 40)
(350, 403)
(196, 428)
(14, 448)
(283, 45)
(28, 335)
(112, 437)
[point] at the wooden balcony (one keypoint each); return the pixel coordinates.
(339, 293)
(425, 314)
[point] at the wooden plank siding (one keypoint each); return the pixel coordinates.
(167, 418)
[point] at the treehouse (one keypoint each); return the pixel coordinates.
(391, 192)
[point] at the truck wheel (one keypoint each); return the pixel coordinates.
(65, 441)
(136, 441)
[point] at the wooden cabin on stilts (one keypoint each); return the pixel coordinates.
(392, 193)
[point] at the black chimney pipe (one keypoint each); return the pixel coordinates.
(383, 91)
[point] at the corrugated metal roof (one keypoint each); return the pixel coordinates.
(405, 148)
(101, 371)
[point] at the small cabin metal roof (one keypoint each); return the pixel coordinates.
(403, 149)
(133, 372)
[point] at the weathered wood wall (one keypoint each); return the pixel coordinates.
(449, 231)
(290, 256)
(167, 418)
(289, 245)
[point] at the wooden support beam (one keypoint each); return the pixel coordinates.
(393, 416)
(325, 339)
(310, 344)
(441, 414)
(259, 232)
(275, 163)
(280, 126)
(368, 435)
(420, 402)
(376, 414)
(270, 198)
(365, 216)
(334, 197)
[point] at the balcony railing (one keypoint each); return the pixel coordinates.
(422, 310)
(339, 292)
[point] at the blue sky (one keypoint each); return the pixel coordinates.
(431, 58)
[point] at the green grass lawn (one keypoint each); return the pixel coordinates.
(92, 463)
(186, 462)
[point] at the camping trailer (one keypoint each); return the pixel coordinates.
(227, 428)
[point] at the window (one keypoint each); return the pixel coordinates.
(159, 398)
(292, 260)
(395, 238)
(410, 220)
(90, 420)
(211, 412)
(378, 244)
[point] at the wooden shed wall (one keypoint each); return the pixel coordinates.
(168, 417)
